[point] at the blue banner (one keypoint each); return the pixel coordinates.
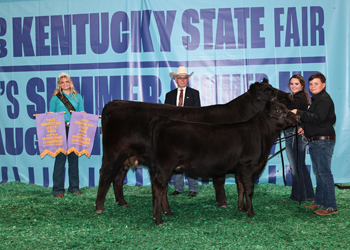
(126, 49)
(51, 133)
(81, 133)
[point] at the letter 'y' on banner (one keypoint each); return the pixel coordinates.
(51, 132)
(81, 133)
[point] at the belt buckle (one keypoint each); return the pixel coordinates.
(67, 124)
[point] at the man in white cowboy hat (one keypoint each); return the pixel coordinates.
(183, 96)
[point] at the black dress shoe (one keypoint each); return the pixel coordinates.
(192, 194)
(175, 193)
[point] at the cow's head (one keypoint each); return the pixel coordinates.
(263, 91)
(280, 112)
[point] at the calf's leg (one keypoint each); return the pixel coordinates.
(118, 187)
(103, 187)
(249, 190)
(240, 190)
(157, 192)
(221, 198)
(165, 203)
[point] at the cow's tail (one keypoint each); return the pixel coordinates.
(152, 126)
(104, 115)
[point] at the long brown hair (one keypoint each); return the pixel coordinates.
(302, 82)
(71, 85)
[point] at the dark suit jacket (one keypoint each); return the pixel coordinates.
(191, 97)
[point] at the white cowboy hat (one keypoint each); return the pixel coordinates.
(180, 71)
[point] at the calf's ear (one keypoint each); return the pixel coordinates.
(265, 80)
(252, 88)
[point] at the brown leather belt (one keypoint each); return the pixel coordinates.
(317, 138)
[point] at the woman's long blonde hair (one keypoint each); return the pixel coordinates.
(71, 85)
(302, 82)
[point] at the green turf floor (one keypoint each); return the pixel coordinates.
(31, 218)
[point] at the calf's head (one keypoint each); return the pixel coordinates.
(280, 112)
(265, 92)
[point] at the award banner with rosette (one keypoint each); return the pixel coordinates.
(51, 132)
(81, 133)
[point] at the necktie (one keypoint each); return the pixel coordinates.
(181, 98)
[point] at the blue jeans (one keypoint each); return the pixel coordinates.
(321, 155)
(179, 183)
(59, 171)
(302, 184)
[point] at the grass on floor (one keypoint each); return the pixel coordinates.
(31, 218)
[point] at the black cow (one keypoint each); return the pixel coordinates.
(126, 139)
(214, 150)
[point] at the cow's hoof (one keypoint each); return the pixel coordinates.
(224, 204)
(169, 213)
(124, 204)
(159, 223)
(251, 214)
(99, 209)
(242, 209)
